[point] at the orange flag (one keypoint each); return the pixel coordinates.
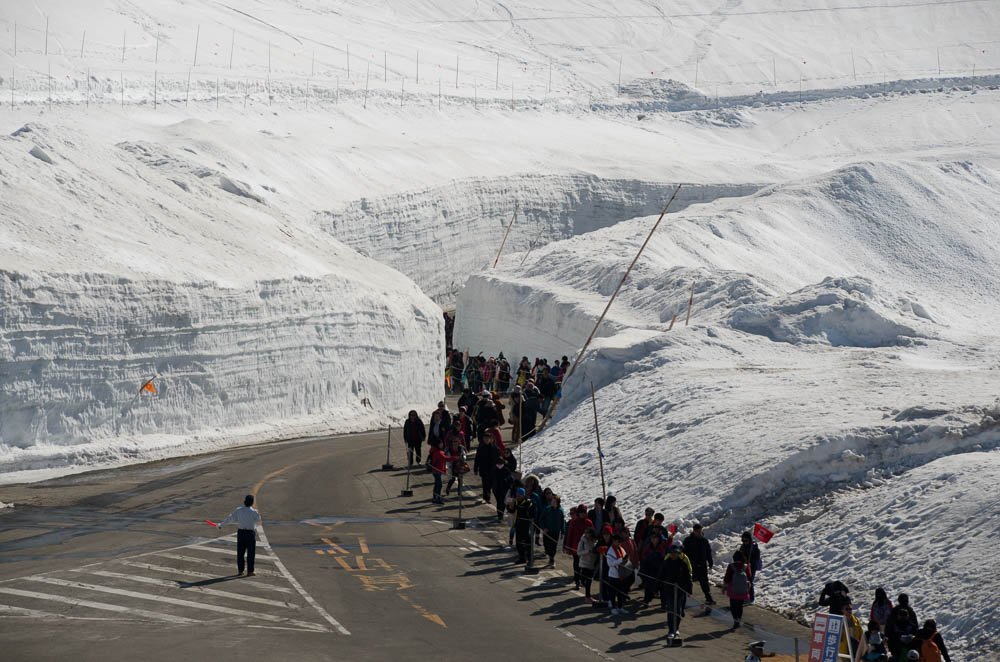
(149, 388)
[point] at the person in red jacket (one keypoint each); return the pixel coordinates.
(439, 467)
(578, 523)
(736, 585)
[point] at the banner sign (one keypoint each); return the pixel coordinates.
(825, 643)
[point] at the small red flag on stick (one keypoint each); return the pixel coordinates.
(671, 528)
(211, 523)
(762, 533)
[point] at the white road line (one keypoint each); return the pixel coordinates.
(175, 601)
(98, 605)
(298, 587)
(228, 552)
(49, 615)
(214, 563)
(200, 589)
(190, 573)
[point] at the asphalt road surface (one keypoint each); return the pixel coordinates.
(119, 565)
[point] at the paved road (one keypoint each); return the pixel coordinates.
(113, 564)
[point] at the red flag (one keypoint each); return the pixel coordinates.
(211, 523)
(762, 533)
(148, 387)
(671, 528)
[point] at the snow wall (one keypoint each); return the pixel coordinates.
(119, 264)
(438, 236)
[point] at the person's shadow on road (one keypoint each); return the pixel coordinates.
(208, 582)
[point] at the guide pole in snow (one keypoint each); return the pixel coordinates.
(187, 89)
(197, 38)
(614, 295)
(496, 85)
(368, 73)
(123, 46)
(597, 433)
(456, 72)
(12, 70)
(46, 35)
(154, 89)
(690, 303)
(402, 91)
(418, 67)
(348, 62)
(88, 87)
(388, 445)
(532, 246)
(216, 92)
(232, 47)
(50, 85)
(854, 69)
(504, 241)
(84, 41)
(620, 59)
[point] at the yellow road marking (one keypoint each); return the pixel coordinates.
(361, 563)
(334, 546)
(260, 483)
(344, 564)
(363, 544)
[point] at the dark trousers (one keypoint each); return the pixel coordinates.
(700, 575)
(586, 580)
(522, 535)
(437, 484)
(551, 544)
(487, 486)
(246, 543)
(576, 570)
(676, 600)
(651, 588)
(618, 592)
(736, 607)
(411, 452)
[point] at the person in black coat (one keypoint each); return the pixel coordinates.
(835, 595)
(902, 623)
(484, 466)
(699, 552)
(751, 552)
(503, 478)
(529, 412)
(414, 435)
(486, 417)
(675, 586)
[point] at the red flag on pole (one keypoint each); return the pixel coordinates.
(762, 533)
(671, 528)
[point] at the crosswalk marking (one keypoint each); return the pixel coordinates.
(202, 575)
(97, 605)
(35, 613)
(213, 562)
(219, 550)
(176, 601)
(208, 591)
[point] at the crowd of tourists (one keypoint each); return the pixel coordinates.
(620, 567)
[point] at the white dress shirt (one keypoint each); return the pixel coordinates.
(246, 517)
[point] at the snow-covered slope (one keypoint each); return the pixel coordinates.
(121, 261)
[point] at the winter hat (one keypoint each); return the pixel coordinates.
(520, 491)
(607, 529)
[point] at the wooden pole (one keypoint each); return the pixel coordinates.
(597, 433)
(614, 295)
(84, 41)
(509, 226)
(187, 90)
(367, 76)
(197, 38)
(672, 320)
(232, 48)
(532, 246)
(690, 303)
(854, 69)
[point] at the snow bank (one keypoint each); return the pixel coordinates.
(124, 261)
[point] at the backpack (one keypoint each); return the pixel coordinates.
(740, 584)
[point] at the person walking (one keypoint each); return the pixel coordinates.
(616, 558)
(675, 586)
(247, 520)
(484, 465)
(650, 564)
(414, 434)
(902, 627)
(438, 462)
(699, 552)
(751, 552)
(881, 608)
(586, 551)
(871, 647)
(553, 525)
(524, 520)
(578, 523)
(502, 481)
(930, 625)
(737, 586)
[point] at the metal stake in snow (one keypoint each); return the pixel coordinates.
(367, 77)
(509, 226)
(123, 46)
(597, 433)
(614, 295)
(84, 41)
(197, 38)
(232, 47)
(690, 303)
